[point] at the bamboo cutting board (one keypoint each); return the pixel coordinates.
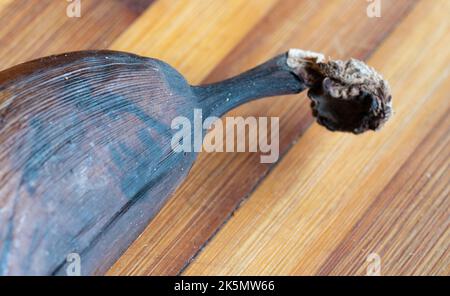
(332, 199)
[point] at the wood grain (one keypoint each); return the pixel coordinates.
(192, 36)
(416, 199)
(327, 185)
(4, 3)
(36, 28)
(332, 199)
(219, 182)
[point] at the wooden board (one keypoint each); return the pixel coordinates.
(219, 182)
(332, 199)
(333, 186)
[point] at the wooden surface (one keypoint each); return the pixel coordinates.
(332, 199)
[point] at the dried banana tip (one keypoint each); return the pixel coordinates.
(347, 96)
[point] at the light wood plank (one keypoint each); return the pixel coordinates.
(314, 197)
(4, 3)
(193, 36)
